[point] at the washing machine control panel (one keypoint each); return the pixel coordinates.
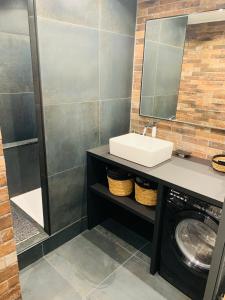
(179, 199)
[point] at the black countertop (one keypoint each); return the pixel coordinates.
(191, 175)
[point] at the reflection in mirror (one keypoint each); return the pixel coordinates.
(184, 69)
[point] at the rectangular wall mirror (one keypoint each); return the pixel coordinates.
(184, 69)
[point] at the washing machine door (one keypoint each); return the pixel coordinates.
(196, 241)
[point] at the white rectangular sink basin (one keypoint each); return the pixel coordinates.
(143, 150)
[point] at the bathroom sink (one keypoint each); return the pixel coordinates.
(143, 150)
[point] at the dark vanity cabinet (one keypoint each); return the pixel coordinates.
(190, 198)
(102, 204)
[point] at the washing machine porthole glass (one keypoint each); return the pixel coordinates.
(196, 240)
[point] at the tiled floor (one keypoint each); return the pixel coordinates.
(97, 265)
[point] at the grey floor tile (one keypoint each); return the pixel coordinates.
(41, 281)
(145, 253)
(121, 235)
(87, 260)
(133, 281)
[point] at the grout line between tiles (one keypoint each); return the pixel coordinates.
(87, 27)
(86, 101)
(141, 260)
(15, 34)
(119, 267)
(60, 274)
(118, 243)
(17, 93)
(67, 170)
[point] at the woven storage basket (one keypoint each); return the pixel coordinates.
(218, 162)
(120, 182)
(120, 187)
(144, 194)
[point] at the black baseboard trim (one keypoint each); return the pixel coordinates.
(59, 238)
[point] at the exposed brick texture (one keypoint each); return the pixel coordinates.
(9, 274)
(202, 97)
(202, 142)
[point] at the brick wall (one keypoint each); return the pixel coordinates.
(9, 276)
(202, 142)
(201, 96)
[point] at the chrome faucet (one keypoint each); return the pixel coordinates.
(152, 125)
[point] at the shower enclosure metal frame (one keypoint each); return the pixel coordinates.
(39, 113)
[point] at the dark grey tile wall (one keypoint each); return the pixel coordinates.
(17, 115)
(23, 173)
(69, 73)
(86, 76)
(13, 16)
(15, 62)
(17, 104)
(114, 118)
(70, 130)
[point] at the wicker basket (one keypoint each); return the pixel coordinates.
(218, 163)
(120, 187)
(145, 196)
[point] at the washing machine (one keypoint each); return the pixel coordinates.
(189, 232)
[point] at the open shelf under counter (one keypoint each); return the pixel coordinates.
(142, 211)
(194, 177)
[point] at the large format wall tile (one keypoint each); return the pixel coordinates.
(66, 196)
(22, 166)
(147, 106)
(173, 31)
(82, 12)
(169, 65)
(71, 129)
(14, 17)
(149, 69)
(152, 30)
(17, 117)
(76, 70)
(114, 119)
(118, 16)
(116, 65)
(165, 106)
(15, 62)
(69, 63)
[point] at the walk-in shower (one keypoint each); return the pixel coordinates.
(19, 126)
